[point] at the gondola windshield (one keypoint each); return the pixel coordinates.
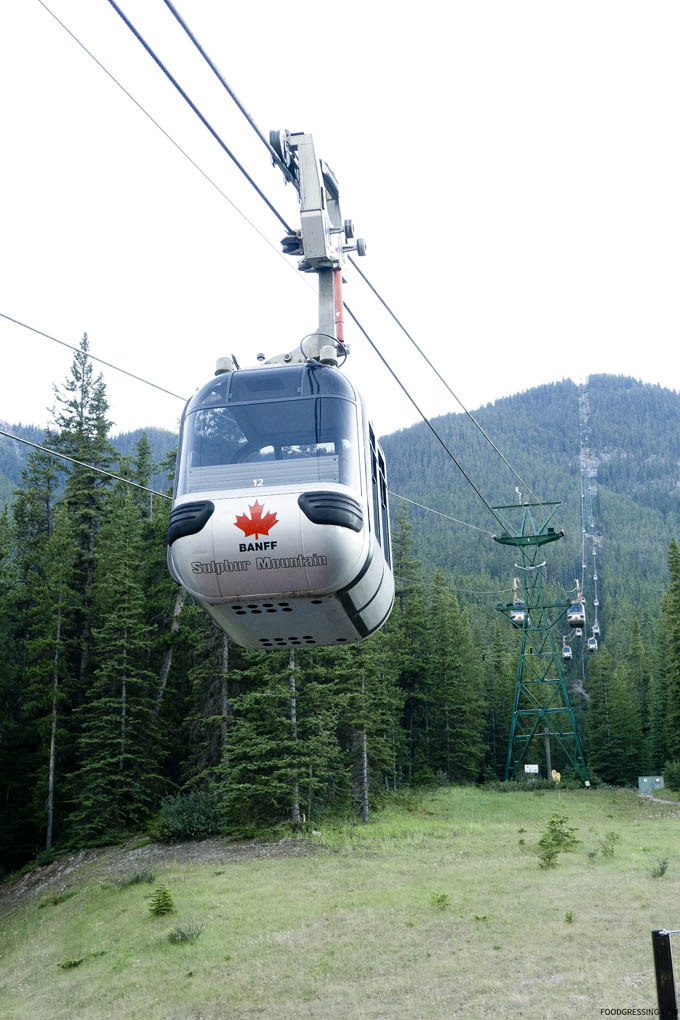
(267, 442)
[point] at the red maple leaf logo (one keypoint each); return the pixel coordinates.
(256, 524)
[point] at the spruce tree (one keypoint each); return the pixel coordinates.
(657, 751)
(409, 627)
(499, 683)
(20, 834)
(82, 426)
(456, 689)
(49, 683)
(118, 782)
(672, 616)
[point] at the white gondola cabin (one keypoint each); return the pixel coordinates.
(517, 613)
(576, 615)
(592, 644)
(279, 526)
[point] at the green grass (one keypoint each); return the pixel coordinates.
(666, 794)
(435, 909)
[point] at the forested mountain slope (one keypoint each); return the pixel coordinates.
(634, 447)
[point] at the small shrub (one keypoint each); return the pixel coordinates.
(136, 878)
(671, 775)
(558, 837)
(187, 932)
(569, 917)
(440, 901)
(70, 964)
(607, 845)
(521, 842)
(56, 898)
(193, 815)
(547, 858)
(161, 902)
(660, 868)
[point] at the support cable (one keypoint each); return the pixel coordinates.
(101, 361)
(423, 355)
(80, 463)
(458, 591)
(276, 159)
(439, 512)
(176, 144)
(223, 145)
(282, 166)
(422, 415)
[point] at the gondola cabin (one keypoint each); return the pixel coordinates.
(517, 613)
(576, 615)
(596, 629)
(578, 632)
(566, 653)
(279, 526)
(592, 644)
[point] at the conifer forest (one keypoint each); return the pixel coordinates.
(122, 705)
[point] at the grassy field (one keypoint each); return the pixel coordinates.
(438, 908)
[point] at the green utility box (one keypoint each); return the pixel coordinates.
(648, 784)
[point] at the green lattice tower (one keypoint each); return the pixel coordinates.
(541, 707)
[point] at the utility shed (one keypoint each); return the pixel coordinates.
(648, 784)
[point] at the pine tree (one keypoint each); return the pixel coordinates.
(637, 662)
(614, 729)
(42, 561)
(602, 737)
(499, 681)
(456, 692)
(117, 782)
(672, 616)
(19, 829)
(408, 625)
(82, 430)
(258, 776)
(49, 684)
(657, 751)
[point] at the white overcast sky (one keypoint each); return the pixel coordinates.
(513, 166)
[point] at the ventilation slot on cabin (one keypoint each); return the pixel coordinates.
(243, 608)
(279, 642)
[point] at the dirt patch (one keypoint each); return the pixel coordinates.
(112, 863)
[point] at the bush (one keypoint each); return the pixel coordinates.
(557, 837)
(187, 932)
(162, 902)
(56, 898)
(608, 844)
(660, 868)
(671, 775)
(193, 815)
(440, 901)
(136, 878)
